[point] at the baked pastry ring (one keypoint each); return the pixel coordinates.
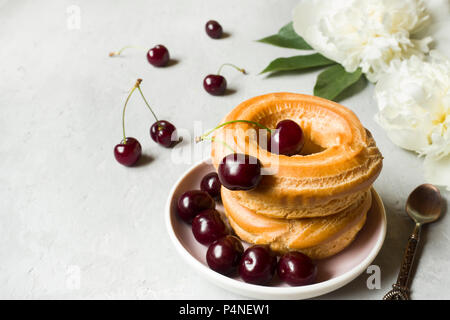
(339, 163)
(316, 237)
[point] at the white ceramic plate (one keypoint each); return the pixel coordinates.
(333, 272)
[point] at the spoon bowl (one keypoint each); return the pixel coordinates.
(424, 204)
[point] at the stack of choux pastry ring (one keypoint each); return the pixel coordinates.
(314, 202)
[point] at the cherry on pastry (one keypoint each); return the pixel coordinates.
(224, 255)
(238, 171)
(162, 131)
(215, 84)
(213, 29)
(157, 56)
(257, 265)
(193, 202)
(287, 139)
(207, 226)
(296, 269)
(211, 184)
(128, 151)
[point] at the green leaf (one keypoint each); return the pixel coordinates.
(287, 38)
(333, 80)
(298, 62)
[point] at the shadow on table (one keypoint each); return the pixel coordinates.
(172, 62)
(144, 160)
(399, 228)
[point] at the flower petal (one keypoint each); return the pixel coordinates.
(365, 34)
(414, 104)
(306, 18)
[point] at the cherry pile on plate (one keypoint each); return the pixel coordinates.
(225, 254)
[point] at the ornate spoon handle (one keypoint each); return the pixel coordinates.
(400, 289)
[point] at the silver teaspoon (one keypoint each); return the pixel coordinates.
(423, 206)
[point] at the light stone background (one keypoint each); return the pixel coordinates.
(76, 224)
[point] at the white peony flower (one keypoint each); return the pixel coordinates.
(413, 98)
(366, 34)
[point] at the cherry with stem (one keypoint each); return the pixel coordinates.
(157, 56)
(162, 131)
(237, 171)
(129, 150)
(216, 84)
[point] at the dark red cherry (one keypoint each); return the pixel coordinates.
(213, 29)
(164, 133)
(129, 152)
(208, 226)
(257, 265)
(239, 171)
(296, 269)
(224, 255)
(211, 184)
(287, 139)
(158, 56)
(192, 203)
(215, 84)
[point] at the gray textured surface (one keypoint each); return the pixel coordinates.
(67, 206)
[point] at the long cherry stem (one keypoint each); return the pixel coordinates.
(202, 137)
(118, 53)
(212, 139)
(231, 65)
(145, 100)
(136, 85)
